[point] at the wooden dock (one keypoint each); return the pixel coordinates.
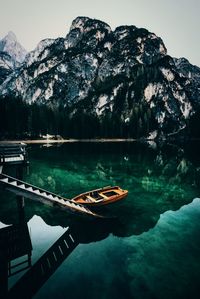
(29, 191)
(13, 153)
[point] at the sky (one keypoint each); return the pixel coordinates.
(176, 22)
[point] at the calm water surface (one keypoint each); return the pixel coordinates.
(150, 249)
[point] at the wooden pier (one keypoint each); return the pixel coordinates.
(15, 240)
(29, 191)
(13, 153)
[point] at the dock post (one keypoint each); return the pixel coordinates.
(19, 198)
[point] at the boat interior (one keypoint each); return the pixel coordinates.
(97, 196)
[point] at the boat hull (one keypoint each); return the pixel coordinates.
(107, 196)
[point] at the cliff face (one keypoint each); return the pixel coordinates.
(124, 73)
(6, 66)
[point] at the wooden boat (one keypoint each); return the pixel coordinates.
(100, 197)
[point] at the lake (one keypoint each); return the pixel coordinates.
(148, 247)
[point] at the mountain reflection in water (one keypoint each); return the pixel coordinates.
(150, 237)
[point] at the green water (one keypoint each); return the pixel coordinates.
(151, 249)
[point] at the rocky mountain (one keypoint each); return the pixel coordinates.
(187, 69)
(123, 77)
(192, 72)
(12, 54)
(11, 46)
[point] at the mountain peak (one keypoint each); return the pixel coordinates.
(11, 46)
(79, 22)
(11, 36)
(83, 23)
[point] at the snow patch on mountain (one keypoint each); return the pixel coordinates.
(160, 116)
(49, 91)
(116, 89)
(62, 68)
(167, 74)
(101, 103)
(36, 94)
(108, 45)
(151, 90)
(186, 109)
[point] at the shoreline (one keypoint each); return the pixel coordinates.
(49, 141)
(73, 140)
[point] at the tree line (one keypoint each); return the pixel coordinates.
(21, 120)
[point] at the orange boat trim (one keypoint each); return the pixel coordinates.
(99, 197)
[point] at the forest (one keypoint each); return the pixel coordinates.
(19, 119)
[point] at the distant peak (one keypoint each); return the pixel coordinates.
(10, 45)
(11, 35)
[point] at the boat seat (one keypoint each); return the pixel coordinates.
(97, 198)
(94, 194)
(89, 199)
